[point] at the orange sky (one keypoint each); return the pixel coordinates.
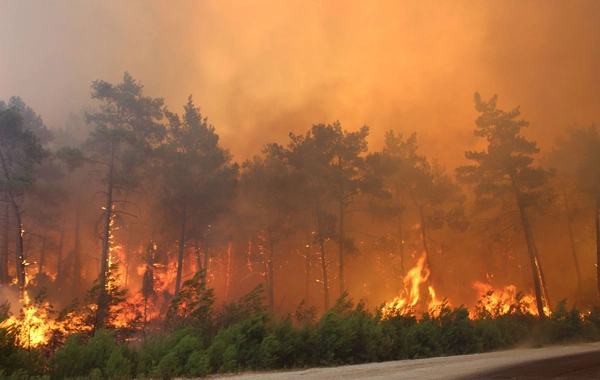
(262, 68)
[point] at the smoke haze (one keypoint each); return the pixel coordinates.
(260, 69)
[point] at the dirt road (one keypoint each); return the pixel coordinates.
(560, 363)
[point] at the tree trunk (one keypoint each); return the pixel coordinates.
(197, 251)
(20, 257)
(341, 244)
(531, 249)
(270, 276)
(597, 220)
(206, 256)
(181, 248)
(103, 296)
(541, 270)
(307, 285)
(77, 251)
(4, 253)
(42, 254)
(425, 245)
(401, 233)
(323, 256)
(228, 281)
(59, 252)
(573, 247)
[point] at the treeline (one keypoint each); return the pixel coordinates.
(200, 339)
(130, 194)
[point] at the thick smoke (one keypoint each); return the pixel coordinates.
(263, 68)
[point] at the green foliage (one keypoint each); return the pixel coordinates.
(250, 339)
(198, 364)
(565, 325)
(240, 345)
(9, 349)
(193, 305)
(458, 331)
(423, 340)
(250, 304)
(78, 359)
(121, 363)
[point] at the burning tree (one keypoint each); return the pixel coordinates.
(197, 179)
(330, 161)
(588, 181)
(20, 152)
(269, 192)
(504, 174)
(426, 187)
(126, 130)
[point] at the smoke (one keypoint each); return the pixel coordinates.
(10, 297)
(263, 68)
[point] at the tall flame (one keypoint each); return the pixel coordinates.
(408, 302)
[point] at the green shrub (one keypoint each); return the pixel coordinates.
(239, 346)
(181, 342)
(76, 359)
(423, 340)
(334, 336)
(458, 331)
(488, 335)
(564, 325)
(395, 328)
(121, 363)
(168, 367)
(198, 364)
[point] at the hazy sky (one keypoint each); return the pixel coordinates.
(262, 68)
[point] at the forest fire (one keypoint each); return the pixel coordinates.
(34, 324)
(508, 300)
(249, 199)
(414, 299)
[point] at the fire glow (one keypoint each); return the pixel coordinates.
(408, 303)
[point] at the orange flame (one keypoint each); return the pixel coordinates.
(408, 302)
(496, 302)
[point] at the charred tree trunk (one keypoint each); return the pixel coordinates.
(206, 256)
(401, 233)
(181, 249)
(77, 251)
(228, 281)
(533, 261)
(4, 279)
(103, 296)
(597, 222)
(541, 270)
(59, 252)
(197, 251)
(307, 285)
(321, 240)
(341, 245)
(19, 253)
(42, 253)
(270, 276)
(573, 247)
(424, 240)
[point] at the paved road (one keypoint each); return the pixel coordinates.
(584, 366)
(560, 363)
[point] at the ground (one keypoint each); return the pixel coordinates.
(580, 361)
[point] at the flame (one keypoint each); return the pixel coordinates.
(408, 302)
(507, 300)
(34, 325)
